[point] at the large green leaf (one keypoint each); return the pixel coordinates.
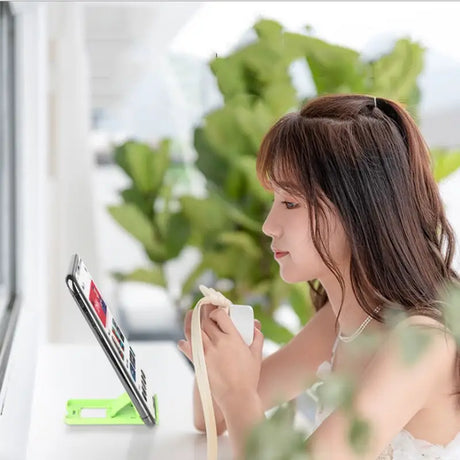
(395, 74)
(271, 329)
(135, 158)
(213, 166)
(229, 77)
(204, 214)
(445, 162)
(300, 302)
(152, 275)
(133, 221)
(281, 97)
(224, 134)
(144, 165)
(143, 202)
(178, 231)
(190, 282)
(226, 262)
(269, 31)
(247, 165)
(242, 243)
(334, 69)
(236, 214)
(159, 165)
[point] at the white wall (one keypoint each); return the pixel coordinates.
(70, 169)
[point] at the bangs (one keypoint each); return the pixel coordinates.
(281, 157)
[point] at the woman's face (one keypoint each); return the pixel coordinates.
(288, 225)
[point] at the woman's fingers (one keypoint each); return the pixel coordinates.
(211, 329)
(222, 320)
(188, 325)
(206, 309)
(186, 348)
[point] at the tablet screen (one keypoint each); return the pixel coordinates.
(109, 326)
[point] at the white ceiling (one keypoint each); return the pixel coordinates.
(120, 37)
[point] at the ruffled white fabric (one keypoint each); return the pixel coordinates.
(403, 446)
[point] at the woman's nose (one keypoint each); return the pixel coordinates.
(269, 227)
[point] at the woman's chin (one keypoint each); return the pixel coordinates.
(290, 278)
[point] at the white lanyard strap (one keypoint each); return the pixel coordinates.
(216, 298)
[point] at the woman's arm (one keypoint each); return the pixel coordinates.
(198, 416)
(242, 413)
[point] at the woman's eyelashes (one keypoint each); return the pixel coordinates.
(290, 204)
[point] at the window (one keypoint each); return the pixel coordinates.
(8, 253)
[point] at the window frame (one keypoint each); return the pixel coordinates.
(8, 233)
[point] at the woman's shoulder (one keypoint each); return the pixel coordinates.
(418, 348)
(424, 329)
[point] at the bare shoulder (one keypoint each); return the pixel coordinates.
(437, 341)
(431, 328)
(418, 356)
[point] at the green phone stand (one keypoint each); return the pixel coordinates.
(118, 411)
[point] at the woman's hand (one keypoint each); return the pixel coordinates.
(232, 365)
(185, 346)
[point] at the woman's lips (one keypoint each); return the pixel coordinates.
(279, 254)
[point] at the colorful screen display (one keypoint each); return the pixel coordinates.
(112, 329)
(98, 303)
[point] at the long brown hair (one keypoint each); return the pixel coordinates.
(367, 157)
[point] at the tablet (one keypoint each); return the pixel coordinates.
(113, 341)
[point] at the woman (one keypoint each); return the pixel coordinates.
(356, 214)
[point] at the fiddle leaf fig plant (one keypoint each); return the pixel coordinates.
(225, 225)
(147, 210)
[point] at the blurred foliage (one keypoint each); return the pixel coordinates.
(225, 226)
(444, 162)
(277, 440)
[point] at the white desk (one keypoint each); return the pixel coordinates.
(79, 371)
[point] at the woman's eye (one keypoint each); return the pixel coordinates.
(289, 204)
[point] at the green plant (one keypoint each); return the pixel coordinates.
(225, 226)
(147, 211)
